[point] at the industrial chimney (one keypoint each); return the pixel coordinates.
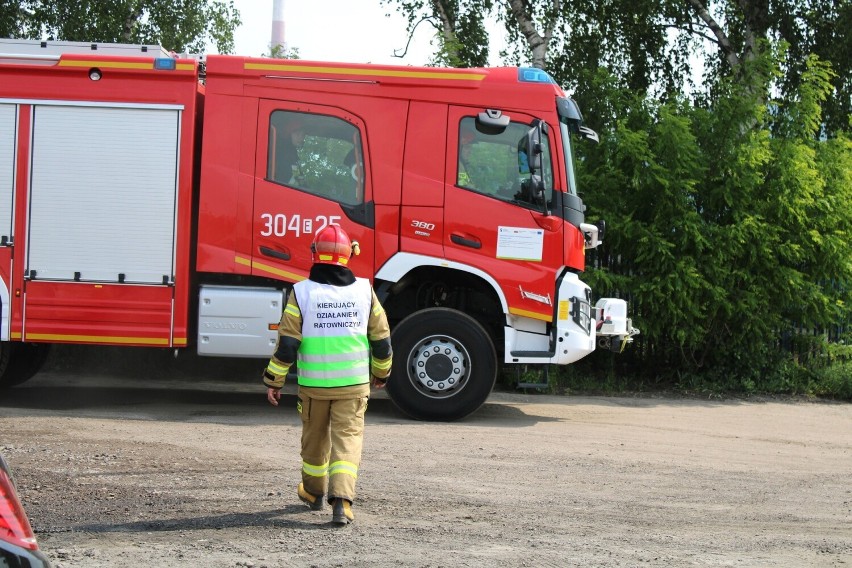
(277, 46)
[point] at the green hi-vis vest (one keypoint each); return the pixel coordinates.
(335, 350)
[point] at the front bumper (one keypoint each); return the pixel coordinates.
(571, 337)
(577, 328)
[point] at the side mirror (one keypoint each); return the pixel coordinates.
(532, 146)
(532, 191)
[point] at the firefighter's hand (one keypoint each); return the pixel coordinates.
(379, 383)
(273, 395)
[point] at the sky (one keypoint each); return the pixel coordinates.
(352, 31)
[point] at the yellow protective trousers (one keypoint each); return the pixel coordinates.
(332, 438)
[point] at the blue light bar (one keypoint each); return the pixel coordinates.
(533, 75)
(165, 64)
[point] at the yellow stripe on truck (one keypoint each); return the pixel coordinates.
(442, 75)
(96, 338)
(119, 64)
(266, 268)
(529, 314)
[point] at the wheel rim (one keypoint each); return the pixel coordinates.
(439, 366)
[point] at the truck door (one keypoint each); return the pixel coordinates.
(492, 220)
(310, 171)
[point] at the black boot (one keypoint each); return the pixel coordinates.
(341, 512)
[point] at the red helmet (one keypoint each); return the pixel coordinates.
(332, 246)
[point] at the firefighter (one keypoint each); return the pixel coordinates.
(334, 325)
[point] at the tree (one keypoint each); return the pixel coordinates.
(177, 25)
(822, 28)
(654, 45)
(730, 240)
(459, 26)
(10, 18)
(282, 52)
(523, 21)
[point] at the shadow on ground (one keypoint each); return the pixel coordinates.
(153, 384)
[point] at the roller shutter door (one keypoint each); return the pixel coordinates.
(8, 132)
(103, 194)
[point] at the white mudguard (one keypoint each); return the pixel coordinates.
(527, 341)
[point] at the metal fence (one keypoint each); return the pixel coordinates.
(645, 346)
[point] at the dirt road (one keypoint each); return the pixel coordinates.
(188, 472)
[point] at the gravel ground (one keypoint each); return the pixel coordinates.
(177, 470)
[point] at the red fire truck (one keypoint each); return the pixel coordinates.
(148, 199)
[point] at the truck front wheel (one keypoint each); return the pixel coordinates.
(444, 365)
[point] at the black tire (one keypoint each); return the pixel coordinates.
(444, 365)
(5, 360)
(19, 362)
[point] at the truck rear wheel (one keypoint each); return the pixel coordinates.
(5, 359)
(19, 362)
(444, 365)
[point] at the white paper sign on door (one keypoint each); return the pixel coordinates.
(519, 243)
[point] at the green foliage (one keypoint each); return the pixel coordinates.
(603, 381)
(821, 29)
(833, 373)
(459, 26)
(323, 167)
(279, 52)
(651, 46)
(177, 25)
(10, 18)
(632, 40)
(569, 379)
(468, 45)
(731, 231)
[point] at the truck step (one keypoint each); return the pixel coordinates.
(519, 354)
